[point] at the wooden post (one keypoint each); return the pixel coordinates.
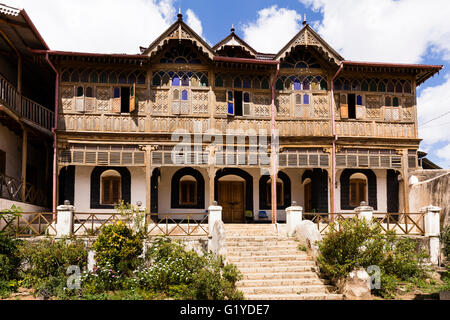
(405, 180)
(148, 179)
(24, 164)
(211, 172)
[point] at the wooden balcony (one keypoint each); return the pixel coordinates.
(11, 189)
(376, 129)
(25, 108)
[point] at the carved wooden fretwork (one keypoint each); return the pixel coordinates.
(200, 102)
(142, 97)
(373, 107)
(67, 97)
(321, 109)
(160, 99)
(221, 102)
(103, 99)
(408, 111)
(262, 104)
(282, 102)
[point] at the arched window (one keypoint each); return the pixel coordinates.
(388, 102)
(113, 78)
(84, 76)
(373, 86)
(80, 92)
(306, 85)
(246, 84)
(184, 95)
(256, 84)
(185, 81)
(390, 87)
(306, 99)
(279, 85)
(398, 87)
(323, 85)
(395, 102)
(188, 191)
(347, 86)
(65, 77)
(176, 95)
(265, 83)
(94, 77)
(307, 187)
(337, 84)
(407, 87)
(283, 191)
(89, 92)
(175, 81)
(104, 77)
(219, 81)
(75, 76)
(111, 187)
(381, 86)
(358, 189)
(364, 86)
(356, 86)
(156, 80)
(237, 82)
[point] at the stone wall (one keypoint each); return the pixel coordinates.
(431, 187)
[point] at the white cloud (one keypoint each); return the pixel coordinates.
(194, 22)
(273, 29)
(104, 26)
(444, 153)
(385, 30)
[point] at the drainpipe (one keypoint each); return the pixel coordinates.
(55, 127)
(272, 153)
(335, 138)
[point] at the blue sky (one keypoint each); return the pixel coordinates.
(403, 31)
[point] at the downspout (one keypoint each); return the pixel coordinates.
(55, 127)
(335, 138)
(272, 153)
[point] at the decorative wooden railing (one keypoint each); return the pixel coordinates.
(28, 225)
(400, 223)
(25, 107)
(377, 129)
(90, 224)
(11, 189)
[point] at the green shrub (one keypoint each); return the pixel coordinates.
(181, 274)
(9, 257)
(118, 248)
(445, 238)
(49, 259)
(356, 244)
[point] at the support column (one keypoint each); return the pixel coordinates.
(148, 176)
(405, 180)
(432, 231)
(24, 164)
(212, 170)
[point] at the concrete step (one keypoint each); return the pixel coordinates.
(305, 296)
(275, 290)
(263, 258)
(255, 252)
(282, 282)
(306, 273)
(274, 264)
(263, 249)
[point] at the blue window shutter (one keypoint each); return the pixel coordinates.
(230, 103)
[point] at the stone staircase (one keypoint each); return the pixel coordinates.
(273, 267)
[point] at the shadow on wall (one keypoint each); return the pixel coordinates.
(431, 187)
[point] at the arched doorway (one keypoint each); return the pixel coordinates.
(234, 192)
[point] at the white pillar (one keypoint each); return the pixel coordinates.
(365, 212)
(214, 214)
(432, 231)
(64, 224)
(294, 215)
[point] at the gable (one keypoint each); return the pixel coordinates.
(307, 37)
(234, 42)
(179, 31)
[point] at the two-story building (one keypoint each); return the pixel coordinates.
(184, 124)
(27, 99)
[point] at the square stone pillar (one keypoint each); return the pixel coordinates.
(432, 231)
(294, 215)
(214, 214)
(365, 212)
(64, 224)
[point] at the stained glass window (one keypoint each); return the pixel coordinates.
(306, 85)
(175, 81)
(185, 81)
(184, 95)
(306, 99)
(246, 97)
(359, 100)
(297, 85)
(116, 93)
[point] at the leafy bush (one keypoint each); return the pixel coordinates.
(9, 257)
(118, 248)
(48, 259)
(183, 274)
(356, 244)
(445, 238)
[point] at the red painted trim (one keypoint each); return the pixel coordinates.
(86, 54)
(392, 65)
(245, 60)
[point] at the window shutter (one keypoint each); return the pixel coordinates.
(184, 105)
(176, 102)
(247, 111)
(89, 100)
(359, 107)
(133, 98)
(230, 99)
(116, 105)
(344, 107)
(79, 100)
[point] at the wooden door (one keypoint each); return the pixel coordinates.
(231, 198)
(308, 198)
